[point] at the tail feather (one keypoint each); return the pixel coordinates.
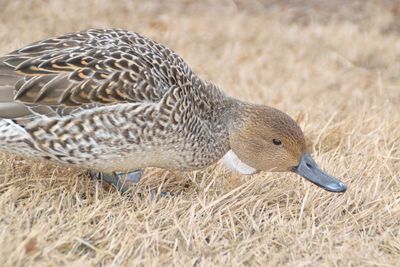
(10, 110)
(6, 79)
(6, 93)
(7, 73)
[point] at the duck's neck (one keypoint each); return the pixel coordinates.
(229, 111)
(230, 115)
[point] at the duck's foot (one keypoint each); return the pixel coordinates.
(122, 181)
(155, 195)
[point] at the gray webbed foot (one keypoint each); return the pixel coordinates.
(122, 181)
(156, 195)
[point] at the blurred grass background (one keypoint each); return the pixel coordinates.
(332, 65)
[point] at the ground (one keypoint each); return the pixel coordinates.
(332, 65)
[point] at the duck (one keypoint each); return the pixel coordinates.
(115, 102)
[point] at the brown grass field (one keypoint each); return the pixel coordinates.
(332, 65)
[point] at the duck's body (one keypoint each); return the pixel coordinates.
(115, 101)
(110, 100)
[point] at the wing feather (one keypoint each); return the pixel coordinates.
(94, 66)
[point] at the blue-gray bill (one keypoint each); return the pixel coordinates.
(310, 170)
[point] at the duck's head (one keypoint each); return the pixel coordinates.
(266, 139)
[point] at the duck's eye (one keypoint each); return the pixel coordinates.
(277, 142)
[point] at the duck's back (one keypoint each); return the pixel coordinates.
(94, 66)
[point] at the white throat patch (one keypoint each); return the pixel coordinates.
(232, 162)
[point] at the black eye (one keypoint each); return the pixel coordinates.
(277, 142)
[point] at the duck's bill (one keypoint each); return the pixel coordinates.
(310, 170)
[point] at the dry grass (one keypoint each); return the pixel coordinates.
(333, 66)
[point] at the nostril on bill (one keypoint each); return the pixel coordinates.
(309, 165)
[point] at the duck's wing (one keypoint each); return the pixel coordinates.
(93, 67)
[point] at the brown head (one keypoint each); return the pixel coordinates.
(267, 139)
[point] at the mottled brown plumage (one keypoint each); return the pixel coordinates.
(101, 95)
